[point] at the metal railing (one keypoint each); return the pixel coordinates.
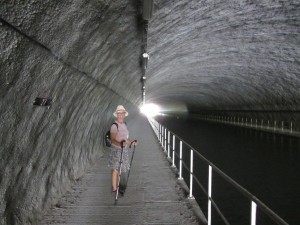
(164, 137)
(283, 127)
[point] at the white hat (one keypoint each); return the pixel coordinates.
(120, 108)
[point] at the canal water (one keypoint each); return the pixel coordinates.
(266, 164)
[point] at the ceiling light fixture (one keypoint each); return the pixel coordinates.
(145, 60)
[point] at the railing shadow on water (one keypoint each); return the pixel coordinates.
(222, 200)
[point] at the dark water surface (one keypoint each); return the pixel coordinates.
(267, 165)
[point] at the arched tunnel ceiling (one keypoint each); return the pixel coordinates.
(217, 55)
(225, 55)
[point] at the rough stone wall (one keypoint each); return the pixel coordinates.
(67, 51)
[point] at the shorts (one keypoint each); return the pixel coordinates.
(114, 159)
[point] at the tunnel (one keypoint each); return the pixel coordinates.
(66, 65)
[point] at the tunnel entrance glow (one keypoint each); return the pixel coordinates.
(150, 110)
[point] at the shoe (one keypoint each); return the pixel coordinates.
(113, 192)
(122, 192)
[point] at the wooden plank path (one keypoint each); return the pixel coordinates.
(153, 195)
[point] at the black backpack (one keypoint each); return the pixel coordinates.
(107, 139)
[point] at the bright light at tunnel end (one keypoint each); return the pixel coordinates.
(150, 110)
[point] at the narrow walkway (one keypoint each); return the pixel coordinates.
(153, 195)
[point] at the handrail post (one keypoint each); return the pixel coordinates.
(191, 175)
(209, 194)
(180, 161)
(168, 144)
(173, 153)
(157, 128)
(159, 132)
(162, 137)
(165, 137)
(253, 213)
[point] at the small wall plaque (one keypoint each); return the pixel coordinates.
(42, 101)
